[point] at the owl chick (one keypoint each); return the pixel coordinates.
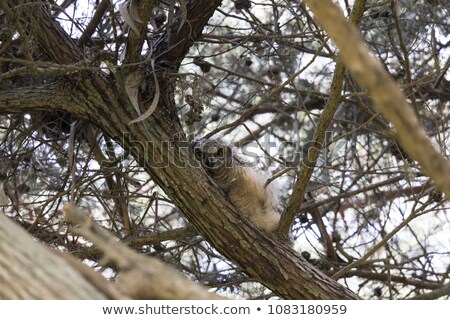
(243, 185)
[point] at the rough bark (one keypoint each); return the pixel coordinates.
(30, 270)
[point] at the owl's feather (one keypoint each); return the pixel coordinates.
(243, 184)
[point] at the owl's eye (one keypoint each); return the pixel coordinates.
(219, 152)
(198, 154)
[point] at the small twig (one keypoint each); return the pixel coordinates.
(380, 244)
(433, 295)
(71, 157)
(265, 99)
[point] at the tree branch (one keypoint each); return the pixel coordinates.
(94, 253)
(43, 274)
(18, 99)
(171, 48)
(399, 279)
(140, 277)
(386, 95)
(435, 294)
(46, 31)
(143, 8)
(96, 19)
(308, 165)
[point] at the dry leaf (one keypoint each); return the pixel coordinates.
(155, 100)
(132, 83)
(129, 16)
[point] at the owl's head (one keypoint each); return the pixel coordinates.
(213, 153)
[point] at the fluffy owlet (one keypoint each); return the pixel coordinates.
(243, 185)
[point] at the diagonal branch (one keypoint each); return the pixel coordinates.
(172, 47)
(46, 31)
(387, 96)
(308, 165)
(155, 143)
(95, 21)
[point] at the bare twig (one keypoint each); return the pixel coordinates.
(380, 244)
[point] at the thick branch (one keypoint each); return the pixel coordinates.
(141, 277)
(46, 31)
(29, 270)
(143, 8)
